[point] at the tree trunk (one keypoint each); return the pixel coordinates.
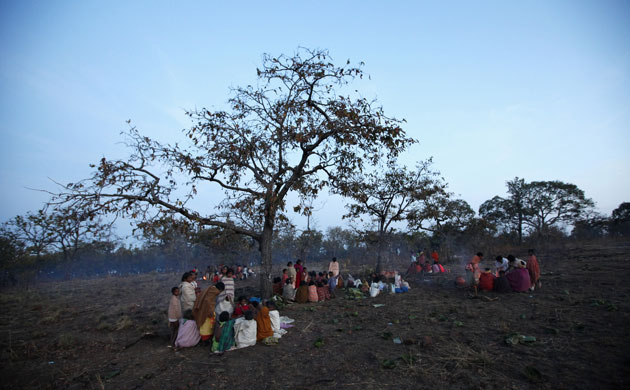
(266, 260)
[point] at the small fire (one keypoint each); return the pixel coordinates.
(204, 277)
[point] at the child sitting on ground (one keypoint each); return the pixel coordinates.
(486, 280)
(241, 307)
(223, 339)
(288, 292)
(174, 314)
(188, 334)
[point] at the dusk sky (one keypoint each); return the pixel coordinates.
(491, 89)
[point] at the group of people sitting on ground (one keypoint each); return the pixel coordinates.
(420, 264)
(511, 274)
(299, 285)
(213, 317)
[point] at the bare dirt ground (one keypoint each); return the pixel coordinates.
(112, 333)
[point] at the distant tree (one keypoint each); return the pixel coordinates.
(440, 213)
(33, 231)
(620, 220)
(552, 204)
(507, 214)
(389, 196)
(535, 207)
(292, 132)
(72, 229)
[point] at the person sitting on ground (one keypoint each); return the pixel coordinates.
(519, 277)
(285, 276)
(288, 292)
(203, 311)
(187, 335)
(241, 307)
(437, 267)
(534, 270)
(174, 314)
(501, 284)
(274, 318)
(223, 339)
(301, 295)
(187, 292)
(312, 292)
(263, 324)
(245, 330)
(427, 269)
(501, 264)
(321, 291)
(277, 286)
(486, 280)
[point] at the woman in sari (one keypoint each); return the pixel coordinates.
(203, 311)
(298, 271)
(223, 333)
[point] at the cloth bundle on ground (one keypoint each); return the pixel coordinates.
(354, 293)
(244, 332)
(188, 335)
(519, 279)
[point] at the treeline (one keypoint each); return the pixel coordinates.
(63, 243)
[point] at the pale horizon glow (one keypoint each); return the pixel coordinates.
(491, 89)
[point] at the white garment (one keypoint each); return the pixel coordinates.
(223, 305)
(274, 316)
(503, 266)
(188, 296)
(397, 281)
(374, 290)
(244, 332)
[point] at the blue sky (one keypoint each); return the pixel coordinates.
(492, 89)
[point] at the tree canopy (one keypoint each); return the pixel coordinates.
(293, 131)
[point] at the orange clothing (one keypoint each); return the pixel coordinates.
(263, 323)
(475, 267)
(486, 281)
(533, 268)
(435, 256)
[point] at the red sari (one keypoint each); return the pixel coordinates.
(298, 277)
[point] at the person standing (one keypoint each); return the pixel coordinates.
(534, 270)
(187, 290)
(333, 266)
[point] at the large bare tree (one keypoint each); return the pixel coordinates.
(294, 131)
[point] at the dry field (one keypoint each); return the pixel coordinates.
(112, 333)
